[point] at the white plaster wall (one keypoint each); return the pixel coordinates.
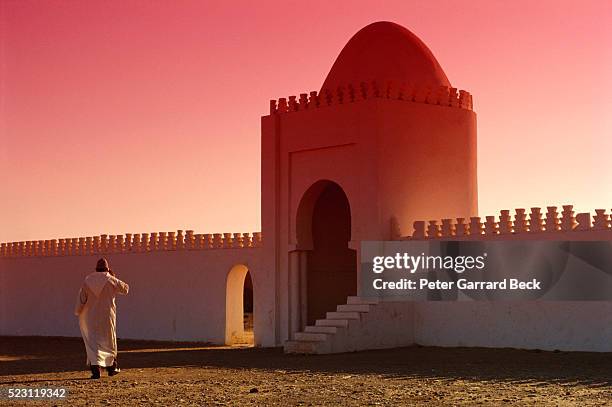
(547, 325)
(174, 295)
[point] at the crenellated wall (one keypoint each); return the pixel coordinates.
(535, 225)
(130, 243)
(179, 284)
(549, 325)
(353, 93)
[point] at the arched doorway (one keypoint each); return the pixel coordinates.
(239, 307)
(324, 226)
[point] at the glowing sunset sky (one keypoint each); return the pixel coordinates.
(140, 116)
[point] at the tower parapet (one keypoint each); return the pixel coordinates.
(353, 93)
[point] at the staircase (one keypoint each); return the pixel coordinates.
(362, 323)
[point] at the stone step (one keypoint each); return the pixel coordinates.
(332, 322)
(322, 329)
(342, 315)
(353, 307)
(361, 300)
(300, 347)
(311, 336)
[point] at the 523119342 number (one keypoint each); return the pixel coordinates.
(36, 393)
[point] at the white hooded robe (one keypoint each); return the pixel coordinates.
(97, 314)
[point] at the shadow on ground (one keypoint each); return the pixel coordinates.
(48, 355)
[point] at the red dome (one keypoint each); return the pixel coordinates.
(385, 51)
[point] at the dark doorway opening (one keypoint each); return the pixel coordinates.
(332, 266)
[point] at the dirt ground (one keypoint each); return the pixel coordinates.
(157, 373)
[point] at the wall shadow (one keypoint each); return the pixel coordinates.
(52, 355)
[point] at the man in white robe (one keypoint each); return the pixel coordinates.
(97, 314)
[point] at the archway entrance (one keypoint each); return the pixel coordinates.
(239, 307)
(324, 224)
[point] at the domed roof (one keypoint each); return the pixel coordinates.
(385, 51)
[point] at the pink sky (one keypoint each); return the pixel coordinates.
(140, 116)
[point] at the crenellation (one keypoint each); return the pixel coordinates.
(476, 227)
(568, 222)
(340, 95)
(433, 229)
(112, 243)
(536, 223)
(505, 222)
(601, 220)
(237, 240)
(453, 97)
(442, 96)
(313, 101)
(198, 241)
(354, 93)
(303, 101)
(365, 91)
(461, 228)
(120, 248)
(388, 90)
(583, 221)
(162, 241)
(293, 104)
(246, 240)
(464, 99)
(171, 241)
(153, 242)
(97, 244)
(282, 105)
(189, 240)
(209, 241)
(217, 240)
(448, 229)
(257, 239)
(328, 97)
(491, 227)
(130, 243)
(418, 229)
(136, 243)
(552, 222)
(227, 240)
(145, 243)
(520, 221)
(82, 250)
(104, 243)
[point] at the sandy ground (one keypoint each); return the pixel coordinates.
(195, 374)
